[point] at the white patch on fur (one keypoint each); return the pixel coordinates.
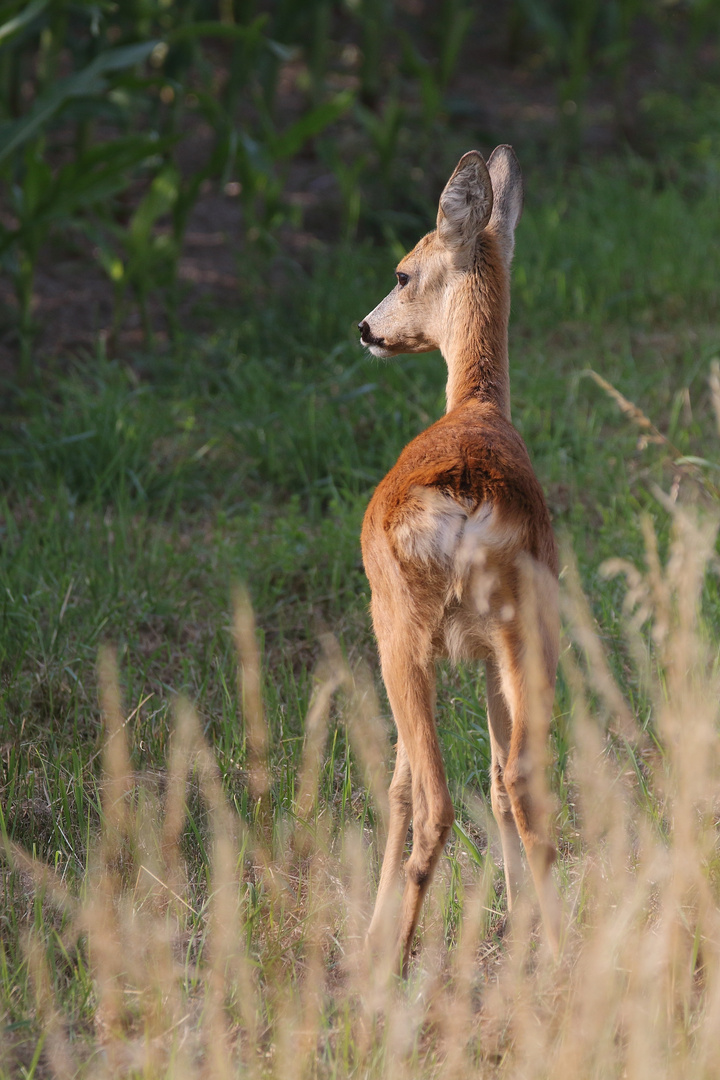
(467, 548)
(443, 532)
(455, 633)
(381, 352)
(431, 533)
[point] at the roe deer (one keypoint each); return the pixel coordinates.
(459, 549)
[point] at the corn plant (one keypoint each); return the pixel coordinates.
(96, 99)
(40, 197)
(141, 89)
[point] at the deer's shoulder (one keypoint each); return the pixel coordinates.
(473, 453)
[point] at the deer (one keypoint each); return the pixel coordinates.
(460, 553)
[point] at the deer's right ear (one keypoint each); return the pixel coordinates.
(466, 203)
(507, 185)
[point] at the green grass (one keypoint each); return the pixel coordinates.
(138, 492)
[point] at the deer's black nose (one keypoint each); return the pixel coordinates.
(367, 337)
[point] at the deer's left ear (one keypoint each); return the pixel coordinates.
(466, 203)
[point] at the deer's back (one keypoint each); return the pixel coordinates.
(461, 501)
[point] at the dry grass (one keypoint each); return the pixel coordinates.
(238, 950)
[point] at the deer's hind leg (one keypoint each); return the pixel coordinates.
(400, 804)
(500, 731)
(409, 674)
(518, 771)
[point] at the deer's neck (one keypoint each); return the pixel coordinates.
(475, 345)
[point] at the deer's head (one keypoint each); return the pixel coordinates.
(478, 198)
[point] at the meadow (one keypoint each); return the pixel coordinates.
(194, 739)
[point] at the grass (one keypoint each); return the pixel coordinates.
(138, 492)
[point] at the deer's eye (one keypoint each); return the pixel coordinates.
(402, 279)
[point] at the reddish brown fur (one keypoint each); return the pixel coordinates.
(475, 455)
(458, 546)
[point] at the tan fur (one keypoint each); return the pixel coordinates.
(458, 546)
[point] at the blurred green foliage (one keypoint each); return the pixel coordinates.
(98, 100)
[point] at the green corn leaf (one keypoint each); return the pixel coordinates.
(93, 178)
(454, 38)
(37, 182)
(22, 19)
(159, 200)
(124, 56)
(210, 28)
(110, 261)
(282, 52)
(102, 172)
(86, 82)
(312, 123)
(551, 27)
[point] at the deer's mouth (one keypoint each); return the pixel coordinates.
(383, 352)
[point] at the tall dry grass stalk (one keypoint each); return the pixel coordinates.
(250, 687)
(248, 960)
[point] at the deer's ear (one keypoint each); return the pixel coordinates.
(466, 203)
(507, 185)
